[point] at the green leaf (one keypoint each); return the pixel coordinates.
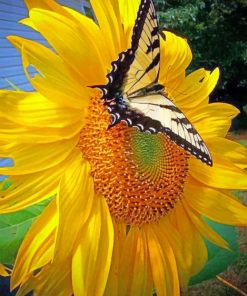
(13, 228)
(218, 259)
(243, 142)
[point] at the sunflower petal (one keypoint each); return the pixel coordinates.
(135, 261)
(204, 228)
(112, 286)
(111, 27)
(223, 174)
(92, 256)
(74, 204)
(93, 34)
(193, 92)
(26, 190)
(36, 283)
(46, 4)
(128, 11)
(76, 51)
(32, 158)
(163, 263)
(209, 122)
(11, 132)
(75, 199)
(54, 76)
(193, 249)
(175, 57)
(229, 150)
(33, 110)
(38, 246)
(175, 240)
(4, 271)
(215, 204)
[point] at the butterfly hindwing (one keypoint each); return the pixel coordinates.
(173, 123)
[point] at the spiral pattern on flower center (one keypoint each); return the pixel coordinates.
(140, 175)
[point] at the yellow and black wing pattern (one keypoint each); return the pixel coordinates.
(137, 67)
(133, 96)
(144, 69)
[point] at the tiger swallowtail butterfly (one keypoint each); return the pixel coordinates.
(133, 95)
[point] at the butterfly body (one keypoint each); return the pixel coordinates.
(133, 95)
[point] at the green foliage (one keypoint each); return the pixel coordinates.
(13, 228)
(217, 33)
(218, 259)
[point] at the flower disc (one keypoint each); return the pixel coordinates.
(140, 175)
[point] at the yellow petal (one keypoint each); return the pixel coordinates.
(34, 110)
(193, 92)
(26, 190)
(215, 204)
(44, 4)
(13, 132)
(176, 241)
(76, 51)
(47, 5)
(213, 120)
(128, 11)
(56, 79)
(223, 174)
(135, 261)
(32, 158)
(4, 271)
(110, 26)
(193, 251)
(175, 56)
(204, 228)
(57, 280)
(162, 261)
(229, 150)
(74, 204)
(87, 26)
(112, 286)
(93, 34)
(92, 257)
(38, 246)
(75, 200)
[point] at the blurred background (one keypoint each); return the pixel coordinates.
(217, 33)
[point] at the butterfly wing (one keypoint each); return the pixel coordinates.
(144, 69)
(138, 66)
(161, 115)
(136, 69)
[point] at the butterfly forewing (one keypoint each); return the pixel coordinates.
(144, 69)
(138, 66)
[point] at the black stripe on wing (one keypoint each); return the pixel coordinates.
(192, 149)
(144, 70)
(120, 68)
(144, 9)
(120, 113)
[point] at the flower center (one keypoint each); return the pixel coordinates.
(140, 175)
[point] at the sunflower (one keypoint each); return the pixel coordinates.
(127, 207)
(4, 270)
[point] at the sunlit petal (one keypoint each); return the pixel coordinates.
(126, 212)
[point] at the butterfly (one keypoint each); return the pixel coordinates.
(134, 96)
